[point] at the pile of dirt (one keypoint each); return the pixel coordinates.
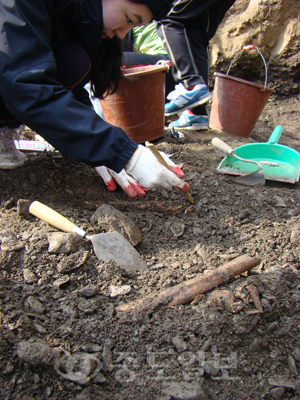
(60, 334)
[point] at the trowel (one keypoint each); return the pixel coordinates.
(107, 246)
(253, 178)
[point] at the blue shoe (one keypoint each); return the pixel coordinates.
(190, 121)
(182, 98)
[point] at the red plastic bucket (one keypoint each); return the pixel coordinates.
(237, 103)
(138, 105)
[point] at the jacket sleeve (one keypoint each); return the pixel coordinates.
(31, 93)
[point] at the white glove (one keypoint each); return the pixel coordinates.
(144, 167)
(131, 187)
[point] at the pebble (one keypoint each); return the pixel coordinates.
(60, 242)
(88, 291)
(281, 381)
(177, 228)
(87, 306)
(35, 305)
(29, 276)
(179, 343)
(37, 353)
(39, 328)
(210, 369)
(23, 208)
(116, 291)
(184, 391)
(58, 283)
(277, 393)
(292, 365)
(295, 236)
(107, 358)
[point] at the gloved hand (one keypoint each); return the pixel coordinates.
(144, 167)
(131, 187)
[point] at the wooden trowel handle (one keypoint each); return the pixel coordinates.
(222, 146)
(53, 218)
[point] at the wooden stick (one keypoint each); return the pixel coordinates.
(187, 291)
(161, 160)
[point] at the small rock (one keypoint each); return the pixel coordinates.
(88, 291)
(277, 393)
(292, 365)
(8, 368)
(184, 391)
(116, 291)
(61, 242)
(68, 310)
(39, 328)
(113, 246)
(60, 282)
(78, 367)
(37, 353)
(87, 306)
(9, 203)
(296, 354)
(281, 381)
(279, 202)
(179, 343)
(107, 359)
(177, 228)
(91, 348)
(295, 236)
(210, 369)
(110, 219)
(34, 305)
(29, 276)
(72, 262)
(99, 378)
(23, 208)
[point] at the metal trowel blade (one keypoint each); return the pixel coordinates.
(113, 246)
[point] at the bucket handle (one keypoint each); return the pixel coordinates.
(251, 47)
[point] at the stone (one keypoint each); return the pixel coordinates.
(283, 382)
(88, 306)
(184, 391)
(179, 343)
(72, 262)
(116, 291)
(88, 291)
(58, 283)
(23, 208)
(113, 246)
(37, 353)
(277, 393)
(34, 305)
(110, 219)
(107, 359)
(29, 276)
(60, 242)
(292, 365)
(177, 228)
(78, 367)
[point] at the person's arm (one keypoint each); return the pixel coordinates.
(31, 93)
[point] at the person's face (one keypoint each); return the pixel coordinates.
(119, 16)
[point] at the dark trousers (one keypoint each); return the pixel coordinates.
(73, 66)
(185, 33)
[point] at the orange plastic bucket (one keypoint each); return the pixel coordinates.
(237, 103)
(138, 105)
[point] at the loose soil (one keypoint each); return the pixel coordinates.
(214, 349)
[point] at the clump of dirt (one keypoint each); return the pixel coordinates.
(60, 335)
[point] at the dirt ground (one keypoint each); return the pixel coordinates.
(60, 335)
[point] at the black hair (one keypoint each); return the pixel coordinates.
(107, 58)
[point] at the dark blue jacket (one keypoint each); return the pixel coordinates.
(30, 30)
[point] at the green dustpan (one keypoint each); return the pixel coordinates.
(279, 163)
